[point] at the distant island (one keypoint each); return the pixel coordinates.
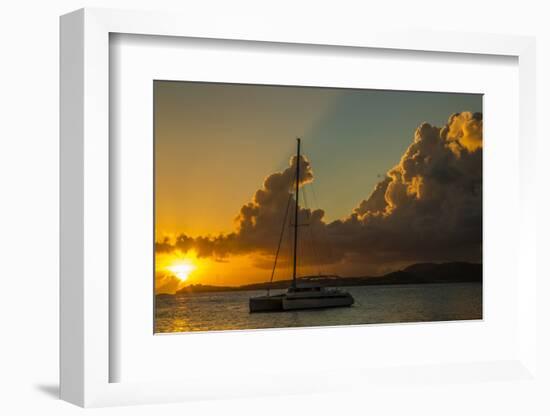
(419, 273)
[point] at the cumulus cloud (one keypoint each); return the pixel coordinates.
(432, 200)
(428, 207)
(465, 128)
(258, 222)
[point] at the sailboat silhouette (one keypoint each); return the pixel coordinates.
(303, 296)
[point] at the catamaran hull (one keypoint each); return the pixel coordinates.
(281, 303)
(292, 304)
(266, 303)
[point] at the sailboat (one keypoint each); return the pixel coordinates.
(304, 295)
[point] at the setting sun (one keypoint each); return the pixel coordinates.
(182, 269)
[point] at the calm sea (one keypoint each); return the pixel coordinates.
(373, 304)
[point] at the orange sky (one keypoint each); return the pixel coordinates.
(216, 143)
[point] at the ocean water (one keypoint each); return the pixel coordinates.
(373, 304)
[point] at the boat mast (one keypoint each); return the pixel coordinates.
(296, 213)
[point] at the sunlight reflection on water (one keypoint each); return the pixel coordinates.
(373, 304)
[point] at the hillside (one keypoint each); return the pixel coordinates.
(419, 273)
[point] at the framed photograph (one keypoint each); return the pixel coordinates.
(311, 202)
(230, 257)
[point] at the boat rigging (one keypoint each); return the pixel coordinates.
(301, 296)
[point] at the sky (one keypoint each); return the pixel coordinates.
(216, 146)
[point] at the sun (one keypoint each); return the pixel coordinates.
(182, 269)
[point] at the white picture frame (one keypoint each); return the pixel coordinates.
(86, 356)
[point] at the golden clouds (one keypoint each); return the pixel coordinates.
(427, 208)
(465, 128)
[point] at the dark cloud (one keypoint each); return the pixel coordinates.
(166, 282)
(259, 221)
(427, 208)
